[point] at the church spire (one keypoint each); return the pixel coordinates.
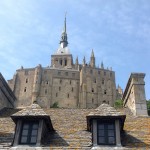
(63, 41)
(92, 61)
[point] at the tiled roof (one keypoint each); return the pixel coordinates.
(33, 110)
(105, 110)
(71, 131)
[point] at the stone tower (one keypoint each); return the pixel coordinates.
(62, 58)
(134, 95)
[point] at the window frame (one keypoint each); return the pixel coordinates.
(30, 129)
(105, 123)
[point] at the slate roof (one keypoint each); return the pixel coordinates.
(33, 111)
(71, 130)
(105, 110)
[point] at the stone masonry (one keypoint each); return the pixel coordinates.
(69, 84)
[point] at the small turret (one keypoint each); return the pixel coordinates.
(84, 61)
(102, 65)
(92, 61)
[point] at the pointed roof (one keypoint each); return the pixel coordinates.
(63, 48)
(92, 53)
(105, 111)
(33, 111)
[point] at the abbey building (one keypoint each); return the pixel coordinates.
(64, 82)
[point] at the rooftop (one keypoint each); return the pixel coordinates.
(71, 130)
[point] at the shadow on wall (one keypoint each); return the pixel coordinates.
(132, 142)
(6, 138)
(7, 112)
(53, 139)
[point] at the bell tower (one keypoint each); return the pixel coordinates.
(62, 58)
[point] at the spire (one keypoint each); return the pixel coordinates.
(92, 61)
(92, 54)
(77, 61)
(102, 65)
(63, 41)
(84, 61)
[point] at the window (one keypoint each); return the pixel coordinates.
(110, 74)
(70, 81)
(72, 89)
(98, 71)
(102, 81)
(66, 73)
(105, 91)
(92, 100)
(27, 80)
(25, 89)
(92, 89)
(56, 94)
(59, 88)
(45, 91)
(59, 73)
(29, 133)
(60, 81)
(61, 62)
(104, 73)
(91, 71)
(68, 95)
(106, 133)
(65, 62)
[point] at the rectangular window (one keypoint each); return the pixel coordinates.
(29, 133)
(66, 73)
(106, 133)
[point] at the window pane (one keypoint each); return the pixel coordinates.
(35, 126)
(26, 126)
(101, 140)
(25, 132)
(34, 132)
(100, 132)
(101, 126)
(23, 139)
(111, 133)
(111, 140)
(33, 139)
(110, 126)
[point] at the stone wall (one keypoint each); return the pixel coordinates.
(96, 86)
(7, 98)
(134, 95)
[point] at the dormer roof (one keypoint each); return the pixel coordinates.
(105, 111)
(33, 111)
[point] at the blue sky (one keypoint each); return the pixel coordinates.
(117, 30)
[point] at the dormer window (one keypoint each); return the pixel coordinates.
(29, 133)
(31, 126)
(105, 128)
(106, 133)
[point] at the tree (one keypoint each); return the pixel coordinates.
(148, 106)
(118, 103)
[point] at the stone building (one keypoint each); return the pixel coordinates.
(64, 82)
(134, 96)
(72, 85)
(7, 97)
